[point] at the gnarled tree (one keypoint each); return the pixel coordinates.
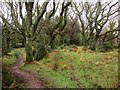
(26, 23)
(93, 18)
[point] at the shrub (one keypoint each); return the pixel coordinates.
(106, 46)
(92, 48)
(76, 38)
(63, 46)
(16, 54)
(9, 80)
(66, 40)
(73, 46)
(40, 52)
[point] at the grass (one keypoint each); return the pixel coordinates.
(10, 81)
(89, 69)
(92, 69)
(10, 59)
(53, 79)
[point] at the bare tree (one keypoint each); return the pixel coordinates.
(57, 29)
(93, 17)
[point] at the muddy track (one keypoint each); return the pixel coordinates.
(28, 78)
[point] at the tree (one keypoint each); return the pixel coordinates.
(107, 40)
(0, 39)
(70, 35)
(26, 24)
(5, 39)
(56, 28)
(27, 27)
(93, 17)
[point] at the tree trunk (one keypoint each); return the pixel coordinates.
(28, 44)
(29, 52)
(84, 42)
(95, 43)
(52, 41)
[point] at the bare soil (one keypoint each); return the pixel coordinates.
(30, 79)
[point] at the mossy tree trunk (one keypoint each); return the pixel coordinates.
(28, 44)
(5, 40)
(27, 28)
(31, 28)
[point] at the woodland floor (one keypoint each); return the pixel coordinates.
(29, 79)
(91, 69)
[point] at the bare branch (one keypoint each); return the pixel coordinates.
(40, 16)
(20, 11)
(53, 11)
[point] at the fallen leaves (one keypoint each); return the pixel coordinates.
(99, 63)
(65, 50)
(67, 55)
(35, 62)
(50, 65)
(79, 52)
(71, 60)
(109, 57)
(55, 51)
(91, 64)
(75, 49)
(64, 62)
(82, 59)
(66, 67)
(83, 67)
(60, 57)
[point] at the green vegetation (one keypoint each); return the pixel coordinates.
(8, 79)
(72, 46)
(53, 78)
(11, 58)
(91, 69)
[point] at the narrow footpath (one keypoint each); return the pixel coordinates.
(28, 78)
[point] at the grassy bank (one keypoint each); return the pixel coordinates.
(75, 67)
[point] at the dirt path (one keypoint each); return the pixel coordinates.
(30, 79)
